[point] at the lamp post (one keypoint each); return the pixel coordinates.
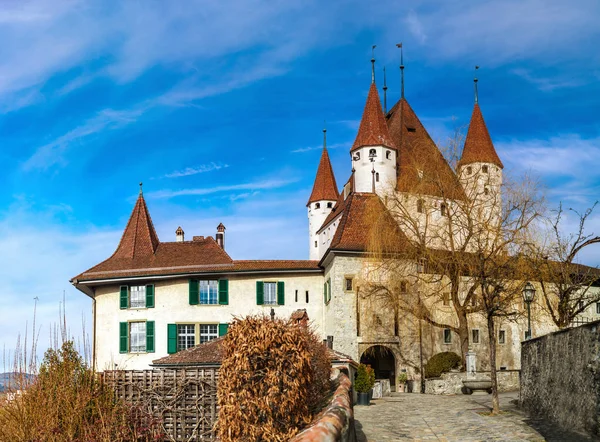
(372, 156)
(528, 295)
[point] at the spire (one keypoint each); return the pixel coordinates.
(373, 64)
(475, 80)
(325, 187)
(478, 144)
(373, 130)
(384, 92)
(139, 238)
(399, 45)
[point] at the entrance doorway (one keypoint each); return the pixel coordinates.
(382, 360)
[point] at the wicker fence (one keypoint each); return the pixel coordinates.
(184, 399)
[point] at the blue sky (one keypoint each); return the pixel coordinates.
(218, 106)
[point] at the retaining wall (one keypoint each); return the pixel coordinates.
(451, 383)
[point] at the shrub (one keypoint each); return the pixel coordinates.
(402, 377)
(441, 363)
(66, 403)
(271, 379)
(364, 380)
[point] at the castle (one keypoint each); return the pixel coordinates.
(152, 298)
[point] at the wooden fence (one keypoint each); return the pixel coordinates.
(184, 399)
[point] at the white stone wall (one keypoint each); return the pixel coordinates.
(316, 218)
(326, 236)
(172, 306)
(384, 165)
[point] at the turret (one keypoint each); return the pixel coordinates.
(373, 152)
(322, 199)
(220, 236)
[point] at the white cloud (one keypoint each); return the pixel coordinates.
(329, 146)
(259, 185)
(202, 168)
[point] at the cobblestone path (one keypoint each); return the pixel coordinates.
(420, 417)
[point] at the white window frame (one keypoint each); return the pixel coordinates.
(137, 336)
(473, 341)
(501, 336)
(598, 308)
(211, 291)
(137, 296)
(186, 338)
(270, 293)
(208, 332)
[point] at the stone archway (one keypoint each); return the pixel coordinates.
(382, 360)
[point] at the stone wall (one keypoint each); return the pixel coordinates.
(336, 423)
(451, 383)
(560, 378)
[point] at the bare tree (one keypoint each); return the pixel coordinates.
(567, 287)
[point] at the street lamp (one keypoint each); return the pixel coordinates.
(528, 295)
(372, 156)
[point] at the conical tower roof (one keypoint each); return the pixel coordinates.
(139, 238)
(478, 144)
(373, 130)
(325, 187)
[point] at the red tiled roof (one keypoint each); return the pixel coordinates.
(372, 130)
(478, 144)
(139, 239)
(417, 152)
(325, 187)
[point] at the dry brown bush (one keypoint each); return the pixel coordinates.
(66, 403)
(273, 377)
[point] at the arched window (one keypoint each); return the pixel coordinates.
(388, 154)
(357, 156)
(469, 170)
(486, 191)
(317, 205)
(377, 176)
(372, 153)
(420, 206)
(329, 205)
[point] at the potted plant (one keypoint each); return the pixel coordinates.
(362, 385)
(371, 379)
(402, 380)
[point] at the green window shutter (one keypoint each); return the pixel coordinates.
(260, 293)
(124, 297)
(123, 332)
(223, 291)
(171, 338)
(149, 336)
(223, 329)
(150, 296)
(325, 293)
(280, 292)
(328, 290)
(194, 292)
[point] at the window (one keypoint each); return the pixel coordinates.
(475, 336)
(527, 335)
(372, 153)
(317, 205)
(411, 129)
(348, 284)
(420, 173)
(186, 336)
(580, 305)
(329, 205)
(486, 191)
(270, 293)
(469, 170)
(296, 296)
(327, 291)
(422, 265)
(388, 155)
(447, 336)
(473, 300)
(137, 337)
(209, 292)
(137, 296)
(446, 298)
(307, 296)
(357, 156)
(316, 244)
(403, 286)
(420, 206)
(443, 209)
(377, 176)
(598, 308)
(208, 332)
(484, 169)
(502, 337)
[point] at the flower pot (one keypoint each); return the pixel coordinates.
(401, 388)
(370, 393)
(363, 399)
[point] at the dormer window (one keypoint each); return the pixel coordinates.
(329, 205)
(317, 205)
(484, 169)
(420, 206)
(411, 129)
(388, 155)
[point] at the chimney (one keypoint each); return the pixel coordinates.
(179, 234)
(220, 237)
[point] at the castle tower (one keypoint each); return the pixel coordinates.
(322, 199)
(480, 168)
(373, 152)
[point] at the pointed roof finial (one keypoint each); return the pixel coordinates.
(475, 83)
(324, 133)
(373, 64)
(384, 93)
(399, 45)
(141, 184)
